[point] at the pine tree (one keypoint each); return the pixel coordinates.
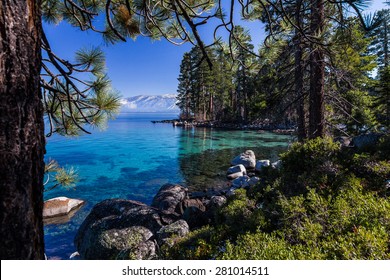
(380, 46)
(185, 87)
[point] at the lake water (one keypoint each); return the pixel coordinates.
(133, 158)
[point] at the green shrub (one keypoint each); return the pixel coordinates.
(200, 244)
(311, 164)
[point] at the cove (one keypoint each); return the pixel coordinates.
(133, 158)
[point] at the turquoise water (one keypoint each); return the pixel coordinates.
(133, 158)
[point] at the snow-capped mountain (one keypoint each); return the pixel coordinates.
(150, 103)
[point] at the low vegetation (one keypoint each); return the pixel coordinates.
(326, 202)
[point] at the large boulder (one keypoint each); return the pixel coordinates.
(169, 198)
(134, 243)
(194, 213)
(120, 229)
(247, 159)
(60, 206)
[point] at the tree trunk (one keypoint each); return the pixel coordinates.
(22, 142)
(317, 72)
(299, 73)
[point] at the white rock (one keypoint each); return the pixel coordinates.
(262, 163)
(59, 206)
(248, 159)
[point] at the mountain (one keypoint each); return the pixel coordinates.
(150, 103)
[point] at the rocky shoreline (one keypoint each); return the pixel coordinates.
(127, 229)
(260, 126)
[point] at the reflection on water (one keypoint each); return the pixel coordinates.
(134, 158)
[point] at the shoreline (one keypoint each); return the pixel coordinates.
(259, 126)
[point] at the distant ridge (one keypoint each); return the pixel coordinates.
(150, 103)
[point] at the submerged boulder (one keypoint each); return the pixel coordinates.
(121, 229)
(247, 159)
(60, 206)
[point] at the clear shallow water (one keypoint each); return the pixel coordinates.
(133, 158)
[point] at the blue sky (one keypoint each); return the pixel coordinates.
(137, 67)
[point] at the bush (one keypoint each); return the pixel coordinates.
(312, 164)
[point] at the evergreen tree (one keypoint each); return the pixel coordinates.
(185, 87)
(381, 44)
(382, 101)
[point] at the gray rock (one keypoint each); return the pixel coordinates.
(60, 206)
(248, 159)
(241, 182)
(260, 164)
(120, 229)
(168, 234)
(169, 198)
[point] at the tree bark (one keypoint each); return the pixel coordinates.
(317, 72)
(22, 141)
